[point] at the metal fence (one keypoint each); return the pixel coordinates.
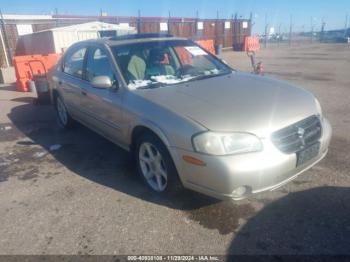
(229, 33)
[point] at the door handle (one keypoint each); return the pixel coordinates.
(83, 92)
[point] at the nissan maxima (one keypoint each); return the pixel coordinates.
(188, 118)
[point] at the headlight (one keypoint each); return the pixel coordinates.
(221, 144)
(318, 107)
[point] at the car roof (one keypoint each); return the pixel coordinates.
(134, 38)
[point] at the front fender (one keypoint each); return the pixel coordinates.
(154, 128)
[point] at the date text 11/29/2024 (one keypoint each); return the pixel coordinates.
(173, 258)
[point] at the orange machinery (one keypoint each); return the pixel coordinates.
(28, 66)
(252, 45)
(207, 45)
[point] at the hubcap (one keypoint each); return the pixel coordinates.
(153, 167)
(62, 112)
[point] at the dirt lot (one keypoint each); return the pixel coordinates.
(85, 199)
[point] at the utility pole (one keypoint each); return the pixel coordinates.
(312, 29)
(56, 13)
(266, 29)
(100, 18)
(236, 31)
(346, 25)
(291, 30)
(279, 34)
(196, 26)
(7, 51)
(217, 36)
(3, 46)
(139, 21)
(322, 30)
(251, 22)
(169, 18)
(346, 21)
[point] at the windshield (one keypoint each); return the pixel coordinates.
(156, 64)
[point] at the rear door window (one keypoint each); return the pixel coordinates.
(74, 62)
(98, 64)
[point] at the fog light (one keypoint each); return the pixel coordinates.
(240, 192)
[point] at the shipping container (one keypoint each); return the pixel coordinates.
(57, 40)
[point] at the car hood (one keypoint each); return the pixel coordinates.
(238, 102)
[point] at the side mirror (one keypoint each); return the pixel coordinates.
(102, 82)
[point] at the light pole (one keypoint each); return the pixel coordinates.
(266, 29)
(291, 30)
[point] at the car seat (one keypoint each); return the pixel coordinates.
(137, 67)
(156, 65)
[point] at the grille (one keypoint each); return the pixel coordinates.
(298, 136)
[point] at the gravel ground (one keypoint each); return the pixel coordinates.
(84, 198)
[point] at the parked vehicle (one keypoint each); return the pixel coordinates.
(189, 118)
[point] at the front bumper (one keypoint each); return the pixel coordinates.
(262, 171)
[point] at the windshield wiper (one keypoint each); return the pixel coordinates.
(204, 76)
(152, 85)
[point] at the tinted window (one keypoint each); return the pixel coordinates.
(74, 62)
(99, 65)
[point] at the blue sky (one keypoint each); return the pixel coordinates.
(278, 11)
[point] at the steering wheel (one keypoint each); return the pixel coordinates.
(185, 70)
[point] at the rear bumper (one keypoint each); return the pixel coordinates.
(258, 172)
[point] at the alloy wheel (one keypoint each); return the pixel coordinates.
(153, 167)
(62, 112)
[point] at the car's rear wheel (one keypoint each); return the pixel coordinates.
(63, 118)
(155, 165)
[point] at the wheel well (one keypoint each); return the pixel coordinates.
(139, 131)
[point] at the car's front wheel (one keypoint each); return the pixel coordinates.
(63, 118)
(155, 165)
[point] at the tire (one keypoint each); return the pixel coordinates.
(155, 165)
(64, 120)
